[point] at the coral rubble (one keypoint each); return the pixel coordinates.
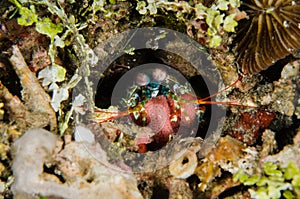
(84, 176)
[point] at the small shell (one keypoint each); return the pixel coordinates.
(184, 166)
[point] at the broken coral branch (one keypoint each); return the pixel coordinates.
(36, 99)
(14, 106)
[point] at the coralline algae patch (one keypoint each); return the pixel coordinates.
(229, 155)
(249, 125)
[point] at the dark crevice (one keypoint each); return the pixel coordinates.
(51, 170)
(160, 192)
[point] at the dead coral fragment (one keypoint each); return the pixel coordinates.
(37, 100)
(271, 33)
(289, 152)
(285, 89)
(13, 105)
(230, 155)
(269, 143)
(85, 168)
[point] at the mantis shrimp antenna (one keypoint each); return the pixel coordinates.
(204, 100)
